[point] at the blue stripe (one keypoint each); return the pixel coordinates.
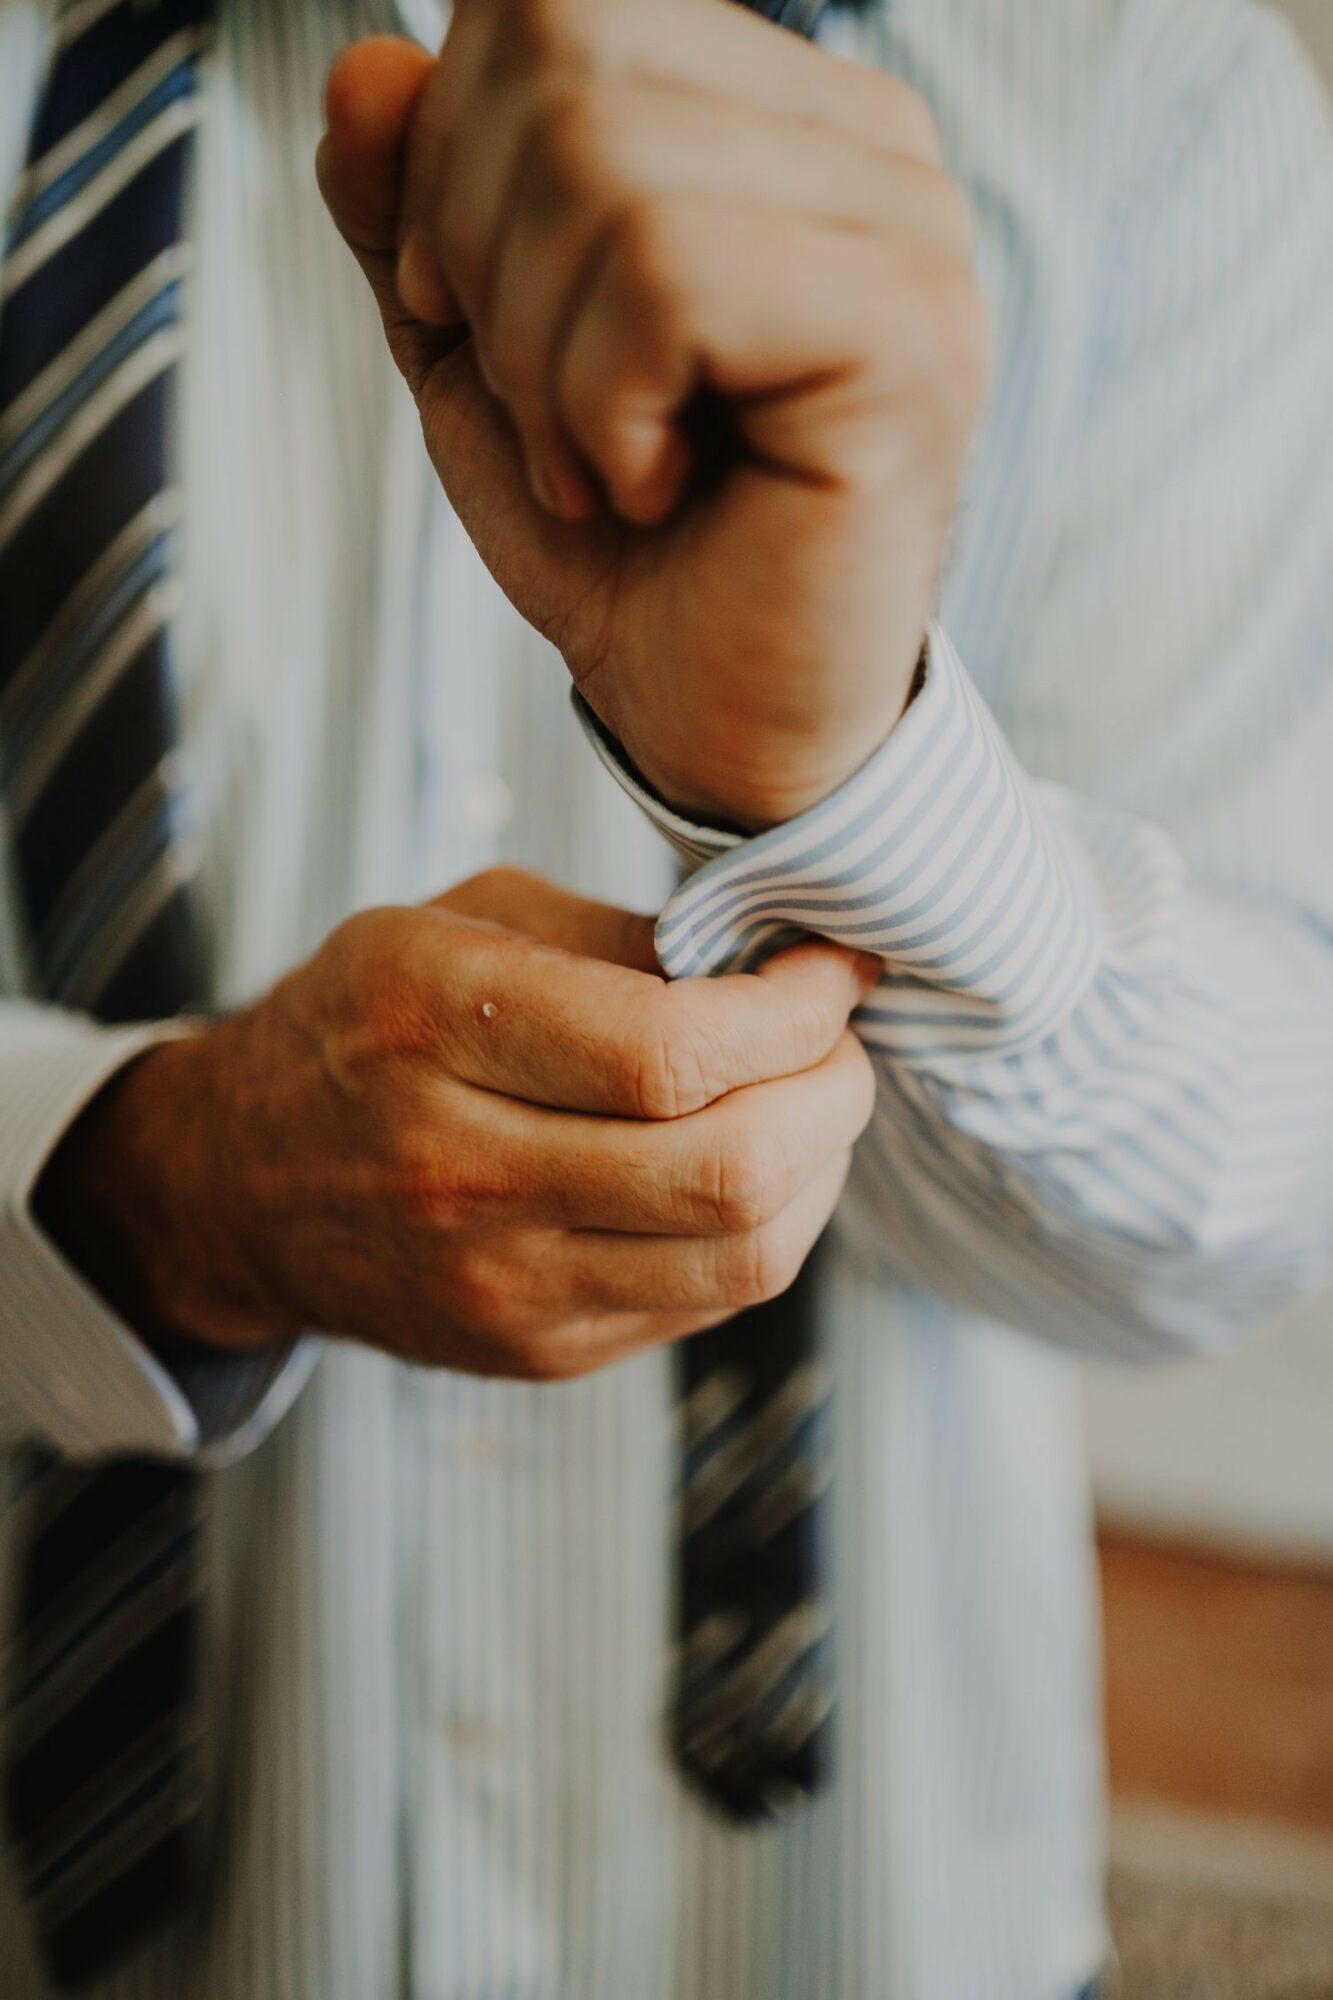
(62, 676)
(172, 1773)
(163, 310)
(59, 956)
(179, 83)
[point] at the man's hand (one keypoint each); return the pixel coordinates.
(485, 1134)
(726, 356)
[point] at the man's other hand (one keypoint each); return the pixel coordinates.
(485, 1134)
(688, 308)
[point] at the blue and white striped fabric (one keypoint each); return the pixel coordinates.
(100, 1763)
(441, 1604)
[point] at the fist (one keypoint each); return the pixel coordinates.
(486, 1135)
(688, 308)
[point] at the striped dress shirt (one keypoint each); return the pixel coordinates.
(1096, 855)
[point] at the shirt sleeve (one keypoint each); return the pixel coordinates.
(1104, 1036)
(73, 1376)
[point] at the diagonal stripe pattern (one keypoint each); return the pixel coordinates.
(101, 1755)
(753, 1686)
(751, 1717)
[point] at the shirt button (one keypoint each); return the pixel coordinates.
(486, 804)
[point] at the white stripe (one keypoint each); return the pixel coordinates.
(99, 965)
(115, 1637)
(741, 1457)
(161, 1744)
(171, 123)
(160, 514)
(178, 48)
(148, 615)
(162, 784)
(55, 378)
(761, 1670)
(78, 17)
(150, 359)
(122, 1846)
(47, 1636)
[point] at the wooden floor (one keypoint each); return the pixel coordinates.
(1219, 1682)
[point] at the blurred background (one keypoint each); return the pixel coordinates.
(1215, 1492)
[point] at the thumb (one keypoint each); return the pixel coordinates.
(369, 99)
(544, 565)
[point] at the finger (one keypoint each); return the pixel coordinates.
(504, 68)
(606, 1272)
(528, 220)
(369, 98)
(735, 54)
(574, 1347)
(724, 1170)
(555, 1028)
(372, 94)
(495, 53)
(662, 318)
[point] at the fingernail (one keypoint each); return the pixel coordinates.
(422, 286)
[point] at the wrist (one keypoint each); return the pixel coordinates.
(138, 1196)
(761, 778)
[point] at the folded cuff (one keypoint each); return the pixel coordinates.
(938, 854)
(72, 1375)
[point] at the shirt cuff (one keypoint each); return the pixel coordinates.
(938, 854)
(72, 1375)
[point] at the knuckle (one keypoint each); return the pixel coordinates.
(572, 144)
(914, 120)
(952, 343)
(743, 1185)
(535, 1357)
(495, 895)
(546, 1351)
(669, 1073)
(767, 1262)
(447, 1185)
(377, 972)
(487, 1302)
(456, 230)
(424, 1185)
(505, 885)
(538, 35)
(359, 939)
(646, 261)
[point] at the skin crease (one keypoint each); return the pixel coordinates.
(485, 1134)
(582, 218)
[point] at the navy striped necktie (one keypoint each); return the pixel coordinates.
(751, 1714)
(101, 1768)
